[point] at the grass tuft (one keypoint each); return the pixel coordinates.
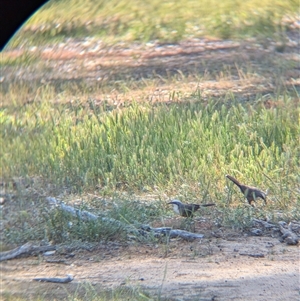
(142, 147)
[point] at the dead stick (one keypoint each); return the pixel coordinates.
(253, 255)
(67, 279)
(264, 223)
(28, 248)
(85, 215)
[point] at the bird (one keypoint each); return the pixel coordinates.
(187, 210)
(251, 193)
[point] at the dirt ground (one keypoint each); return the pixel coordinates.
(152, 72)
(214, 269)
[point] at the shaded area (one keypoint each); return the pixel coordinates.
(245, 68)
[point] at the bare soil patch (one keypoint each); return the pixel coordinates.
(153, 71)
(226, 264)
(182, 273)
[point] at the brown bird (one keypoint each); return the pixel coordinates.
(187, 210)
(251, 193)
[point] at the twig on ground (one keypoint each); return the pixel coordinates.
(144, 229)
(58, 261)
(288, 235)
(67, 279)
(172, 233)
(259, 255)
(27, 248)
(264, 223)
(83, 214)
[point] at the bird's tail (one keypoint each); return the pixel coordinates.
(234, 180)
(208, 205)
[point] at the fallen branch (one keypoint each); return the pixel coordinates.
(295, 226)
(144, 229)
(28, 248)
(57, 261)
(172, 233)
(82, 214)
(15, 252)
(264, 223)
(67, 279)
(257, 232)
(259, 255)
(288, 235)
(88, 216)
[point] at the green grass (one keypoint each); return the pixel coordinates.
(139, 147)
(181, 150)
(119, 220)
(166, 21)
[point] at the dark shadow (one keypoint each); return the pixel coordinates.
(13, 14)
(242, 68)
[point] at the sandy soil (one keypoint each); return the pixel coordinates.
(180, 271)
